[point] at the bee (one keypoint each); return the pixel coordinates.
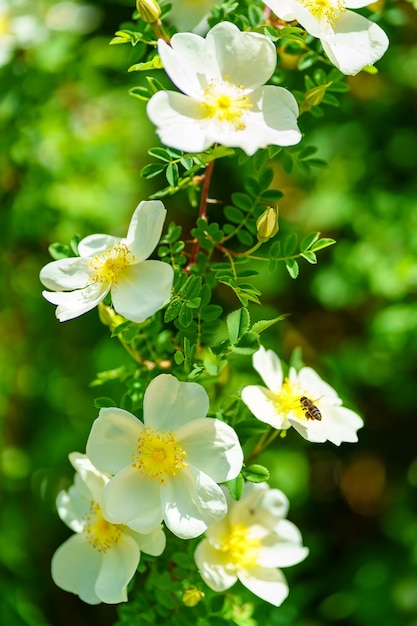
(310, 410)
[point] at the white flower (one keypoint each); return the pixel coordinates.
(250, 544)
(167, 467)
(106, 264)
(224, 102)
(350, 40)
(303, 400)
(98, 561)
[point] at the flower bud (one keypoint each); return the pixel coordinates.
(149, 10)
(192, 596)
(267, 224)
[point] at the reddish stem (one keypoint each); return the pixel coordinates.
(202, 211)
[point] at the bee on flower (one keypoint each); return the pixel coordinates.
(100, 559)
(302, 400)
(250, 544)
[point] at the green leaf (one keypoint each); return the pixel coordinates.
(325, 242)
(262, 325)
(178, 358)
(308, 241)
(309, 256)
(290, 244)
(104, 402)
(172, 310)
(242, 201)
(211, 312)
(307, 60)
(248, 344)
(252, 186)
(256, 473)
(151, 170)
(275, 249)
(172, 174)
(160, 153)
(153, 64)
(185, 316)
(233, 214)
(244, 237)
(266, 177)
(59, 251)
(237, 324)
(292, 267)
(272, 195)
(235, 487)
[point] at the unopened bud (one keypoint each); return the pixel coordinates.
(314, 97)
(267, 224)
(192, 596)
(109, 317)
(149, 10)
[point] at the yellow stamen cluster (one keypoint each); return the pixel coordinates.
(99, 532)
(242, 549)
(226, 103)
(159, 455)
(108, 265)
(327, 10)
(288, 399)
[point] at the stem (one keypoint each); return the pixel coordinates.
(266, 439)
(202, 211)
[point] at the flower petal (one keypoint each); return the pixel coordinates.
(113, 439)
(72, 507)
(282, 9)
(65, 274)
(168, 403)
(151, 543)
(259, 505)
(266, 583)
(75, 567)
(213, 566)
(356, 42)
(131, 498)
(268, 366)
(313, 385)
(91, 477)
(191, 501)
(185, 61)
(145, 229)
(213, 447)
(94, 244)
(118, 567)
(290, 10)
(72, 304)
(178, 119)
(260, 401)
(242, 58)
(288, 548)
(142, 290)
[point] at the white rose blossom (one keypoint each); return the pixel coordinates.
(303, 400)
(138, 287)
(100, 559)
(350, 40)
(250, 544)
(166, 467)
(225, 98)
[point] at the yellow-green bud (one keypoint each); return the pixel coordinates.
(192, 596)
(267, 224)
(109, 317)
(149, 10)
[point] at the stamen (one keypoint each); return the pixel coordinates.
(242, 549)
(108, 265)
(100, 533)
(158, 455)
(327, 10)
(226, 103)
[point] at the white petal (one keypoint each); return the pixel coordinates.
(133, 499)
(186, 61)
(214, 567)
(260, 401)
(65, 274)
(190, 502)
(145, 229)
(93, 479)
(294, 10)
(178, 119)
(314, 386)
(259, 505)
(268, 584)
(341, 425)
(72, 507)
(75, 567)
(94, 244)
(118, 567)
(242, 58)
(168, 403)
(72, 304)
(357, 4)
(268, 366)
(142, 290)
(113, 439)
(289, 548)
(282, 9)
(213, 447)
(151, 543)
(356, 42)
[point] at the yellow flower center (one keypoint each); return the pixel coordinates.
(108, 265)
(159, 455)
(327, 10)
(242, 549)
(226, 103)
(288, 400)
(4, 24)
(99, 532)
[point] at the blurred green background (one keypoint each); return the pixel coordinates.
(72, 145)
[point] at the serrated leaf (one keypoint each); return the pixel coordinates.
(237, 324)
(324, 242)
(185, 316)
(292, 267)
(104, 402)
(309, 256)
(262, 325)
(172, 310)
(153, 64)
(308, 241)
(256, 473)
(248, 344)
(235, 487)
